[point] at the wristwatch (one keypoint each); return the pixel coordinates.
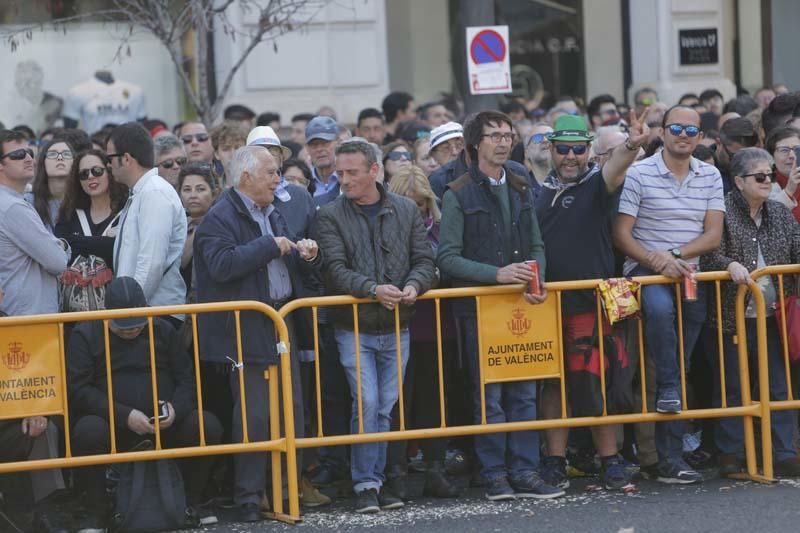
(676, 253)
(373, 291)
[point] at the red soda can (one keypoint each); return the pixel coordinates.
(690, 285)
(534, 287)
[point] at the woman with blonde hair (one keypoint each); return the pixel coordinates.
(421, 386)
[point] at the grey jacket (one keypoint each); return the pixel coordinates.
(356, 256)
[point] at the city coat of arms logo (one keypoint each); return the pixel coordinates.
(16, 358)
(519, 324)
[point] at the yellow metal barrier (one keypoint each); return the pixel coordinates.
(767, 403)
(749, 408)
(46, 332)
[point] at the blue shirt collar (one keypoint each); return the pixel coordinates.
(251, 205)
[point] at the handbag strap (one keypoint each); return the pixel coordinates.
(111, 224)
(84, 222)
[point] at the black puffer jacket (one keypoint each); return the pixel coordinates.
(396, 251)
(778, 235)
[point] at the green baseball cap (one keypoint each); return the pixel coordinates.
(570, 128)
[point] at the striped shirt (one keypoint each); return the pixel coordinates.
(669, 213)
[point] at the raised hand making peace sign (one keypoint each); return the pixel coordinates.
(639, 131)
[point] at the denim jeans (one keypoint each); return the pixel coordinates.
(379, 393)
(729, 432)
(661, 334)
(510, 454)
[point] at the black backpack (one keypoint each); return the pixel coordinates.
(150, 497)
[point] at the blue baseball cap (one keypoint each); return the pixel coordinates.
(322, 127)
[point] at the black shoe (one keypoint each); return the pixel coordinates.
(553, 470)
(396, 482)
(678, 472)
(530, 485)
(388, 500)
(437, 484)
(498, 489)
(367, 501)
(249, 512)
(204, 514)
(615, 475)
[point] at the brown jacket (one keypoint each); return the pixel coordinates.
(778, 235)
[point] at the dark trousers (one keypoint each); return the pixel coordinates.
(250, 469)
(91, 436)
(421, 402)
(14, 445)
(336, 399)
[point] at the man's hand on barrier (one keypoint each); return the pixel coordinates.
(139, 424)
(534, 299)
(658, 260)
(739, 273)
(409, 295)
(388, 295)
(308, 249)
(34, 426)
(285, 245)
(170, 418)
(514, 273)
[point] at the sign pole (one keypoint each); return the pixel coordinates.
(474, 13)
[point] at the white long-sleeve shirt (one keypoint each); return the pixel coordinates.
(150, 240)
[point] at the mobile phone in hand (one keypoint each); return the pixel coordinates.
(163, 411)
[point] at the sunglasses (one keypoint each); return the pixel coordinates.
(18, 155)
(537, 138)
(398, 156)
(54, 154)
(677, 129)
(97, 171)
(169, 163)
(577, 149)
(761, 177)
(201, 138)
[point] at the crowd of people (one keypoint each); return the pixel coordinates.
(412, 198)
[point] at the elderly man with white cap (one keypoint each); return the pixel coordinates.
(297, 208)
(447, 141)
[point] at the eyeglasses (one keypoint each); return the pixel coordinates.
(97, 171)
(398, 156)
(201, 138)
(690, 129)
(712, 147)
(18, 155)
(538, 138)
(496, 137)
(761, 177)
(112, 156)
(169, 163)
(786, 150)
(577, 149)
(54, 154)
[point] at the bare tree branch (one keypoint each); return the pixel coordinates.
(170, 21)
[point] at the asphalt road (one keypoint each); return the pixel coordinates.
(715, 505)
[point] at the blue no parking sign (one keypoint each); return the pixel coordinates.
(488, 65)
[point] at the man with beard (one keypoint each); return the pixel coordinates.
(575, 210)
